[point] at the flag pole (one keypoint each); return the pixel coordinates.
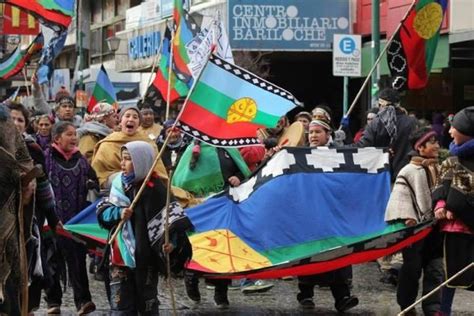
(26, 82)
(170, 69)
(369, 75)
(160, 153)
(167, 241)
(403, 312)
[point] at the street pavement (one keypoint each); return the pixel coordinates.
(375, 298)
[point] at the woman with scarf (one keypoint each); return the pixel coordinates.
(337, 280)
(137, 256)
(106, 158)
(71, 176)
(453, 198)
(410, 202)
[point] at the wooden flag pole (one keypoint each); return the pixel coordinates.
(437, 288)
(157, 159)
(167, 241)
(366, 81)
(26, 82)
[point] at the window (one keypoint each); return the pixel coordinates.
(109, 9)
(96, 47)
(96, 11)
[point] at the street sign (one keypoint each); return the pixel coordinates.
(347, 55)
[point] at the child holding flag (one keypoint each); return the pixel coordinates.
(137, 256)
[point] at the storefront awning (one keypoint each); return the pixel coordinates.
(441, 59)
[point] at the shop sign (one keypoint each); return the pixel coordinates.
(144, 45)
(141, 47)
(287, 25)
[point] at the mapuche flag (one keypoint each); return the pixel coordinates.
(411, 53)
(103, 91)
(185, 30)
(163, 79)
(327, 224)
(56, 14)
(14, 63)
(229, 104)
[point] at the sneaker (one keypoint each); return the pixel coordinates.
(54, 310)
(92, 266)
(235, 285)
(258, 286)
(86, 308)
(346, 303)
(307, 303)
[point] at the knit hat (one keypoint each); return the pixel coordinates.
(130, 107)
(62, 92)
(167, 124)
(463, 121)
(100, 110)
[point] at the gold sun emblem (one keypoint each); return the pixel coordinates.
(242, 110)
(428, 20)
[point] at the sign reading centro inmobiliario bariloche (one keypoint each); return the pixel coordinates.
(287, 25)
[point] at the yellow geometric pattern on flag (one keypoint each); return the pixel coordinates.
(223, 252)
(428, 20)
(242, 110)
